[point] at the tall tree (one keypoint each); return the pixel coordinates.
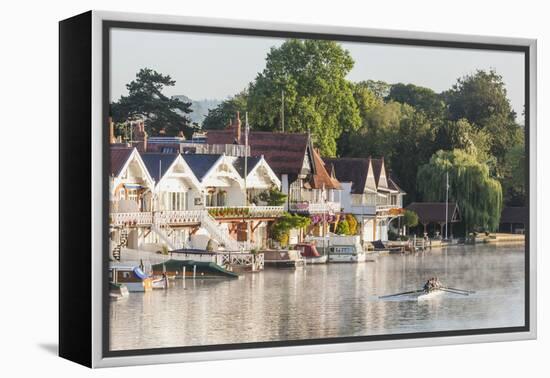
(219, 117)
(482, 99)
(420, 98)
(479, 196)
(463, 136)
(145, 100)
(513, 180)
(380, 88)
(311, 75)
(366, 101)
(378, 132)
(413, 146)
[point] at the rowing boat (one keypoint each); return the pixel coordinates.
(431, 294)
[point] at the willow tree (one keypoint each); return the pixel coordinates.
(479, 196)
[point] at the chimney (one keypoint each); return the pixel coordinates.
(140, 136)
(111, 131)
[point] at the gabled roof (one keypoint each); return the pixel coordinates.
(201, 164)
(238, 163)
(392, 185)
(157, 164)
(119, 156)
(284, 152)
(352, 170)
(378, 167)
(434, 212)
(513, 214)
(356, 171)
(320, 177)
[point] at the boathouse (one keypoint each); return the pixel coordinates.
(369, 193)
(513, 219)
(438, 213)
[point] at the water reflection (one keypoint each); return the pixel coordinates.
(328, 301)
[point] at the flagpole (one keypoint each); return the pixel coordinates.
(246, 129)
(447, 208)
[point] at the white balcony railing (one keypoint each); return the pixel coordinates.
(178, 217)
(315, 207)
(136, 219)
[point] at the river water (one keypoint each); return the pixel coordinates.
(331, 300)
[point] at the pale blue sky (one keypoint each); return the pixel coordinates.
(218, 66)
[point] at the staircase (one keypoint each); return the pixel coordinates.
(218, 233)
(123, 242)
(168, 236)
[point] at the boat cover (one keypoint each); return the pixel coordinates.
(140, 273)
(202, 266)
(309, 250)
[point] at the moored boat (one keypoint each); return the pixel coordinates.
(192, 269)
(283, 259)
(118, 291)
(340, 249)
(133, 277)
(310, 254)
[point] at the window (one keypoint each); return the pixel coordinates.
(132, 195)
(178, 201)
(221, 198)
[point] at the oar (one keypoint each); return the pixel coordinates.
(454, 292)
(403, 293)
(455, 289)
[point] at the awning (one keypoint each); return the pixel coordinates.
(133, 186)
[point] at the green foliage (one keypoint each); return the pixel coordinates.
(280, 230)
(463, 136)
(343, 228)
(273, 197)
(410, 218)
(478, 195)
(513, 180)
(481, 99)
(146, 101)
(395, 131)
(317, 96)
(352, 223)
(219, 117)
(421, 98)
(381, 89)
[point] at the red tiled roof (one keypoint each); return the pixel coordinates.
(321, 178)
(119, 156)
(284, 152)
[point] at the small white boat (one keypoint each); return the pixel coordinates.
(160, 283)
(118, 291)
(340, 249)
(427, 295)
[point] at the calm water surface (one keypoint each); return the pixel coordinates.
(328, 301)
